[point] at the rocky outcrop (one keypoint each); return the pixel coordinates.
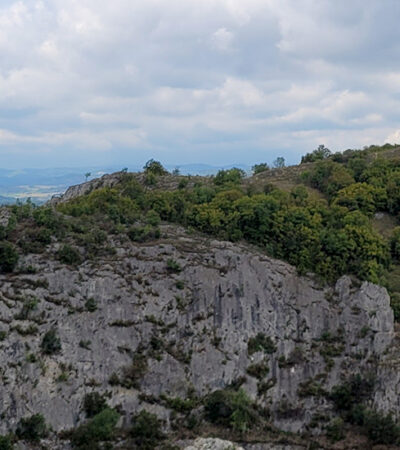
(108, 180)
(202, 314)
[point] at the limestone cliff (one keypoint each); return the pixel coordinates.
(203, 314)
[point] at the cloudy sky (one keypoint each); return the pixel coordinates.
(194, 81)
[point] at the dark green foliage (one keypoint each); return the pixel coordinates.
(51, 343)
(69, 255)
(329, 177)
(279, 162)
(154, 167)
(91, 305)
(8, 257)
(94, 403)
(395, 244)
(98, 429)
(350, 398)
(260, 343)
(146, 430)
(105, 202)
(230, 176)
(335, 430)
(173, 266)
(143, 234)
(258, 168)
(230, 408)
(381, 429)
(32, 428)
(6, 443)
(395, 304)
(132, 374)
(153, 218)
(180, 405)
(259, 370)
(320, 153)
(356, 390)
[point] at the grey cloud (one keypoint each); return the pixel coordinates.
(215, 81)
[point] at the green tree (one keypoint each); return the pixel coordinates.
(279, 162)
(232, 176)
(321, 152)
(8, 257)
(258, 168)
(154, 167)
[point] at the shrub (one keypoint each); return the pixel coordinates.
(258, 168)
(69, 255)
(132, 374)
(51, 342)
(335, 430)
(320, 153)
(146, 430)
(154, 167)
(8, 257)
(260, 343)
(229, 176)
(91, 305)
(395, 304)
(93, 404)
(100, 428)
(173, 266)
(259, 370)
(32, 428)
(143, 234)
(381, 429)
(6, 443)
(153, 218)
(356, 390)
(230, 408)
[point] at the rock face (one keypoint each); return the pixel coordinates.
(192, 306)
(108, 180)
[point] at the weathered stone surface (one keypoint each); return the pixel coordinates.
(213, 444)
(193, 335)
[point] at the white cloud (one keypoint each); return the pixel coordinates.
(170, 78)
(222, 39)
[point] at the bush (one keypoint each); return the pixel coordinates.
(233, 176)
(91, 305)
(335, 430)
(8, 257)
(381, 429)
(395, 304)
(320, 153)
(100, 428)
(69, 255)
(6, 443)
(146, 430)
(143, 234)
(132, 374)
(154, 167)
(260, 343)
(356, 390)
(173, 266)
(50, 343)
(258, 168)
(32, 429)
(93, 404)
(230, 408)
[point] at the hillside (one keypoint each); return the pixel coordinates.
(147, 310)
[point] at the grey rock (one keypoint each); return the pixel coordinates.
(192, 338)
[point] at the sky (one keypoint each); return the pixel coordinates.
(100, 82)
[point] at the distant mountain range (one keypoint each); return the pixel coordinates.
(41, 184)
